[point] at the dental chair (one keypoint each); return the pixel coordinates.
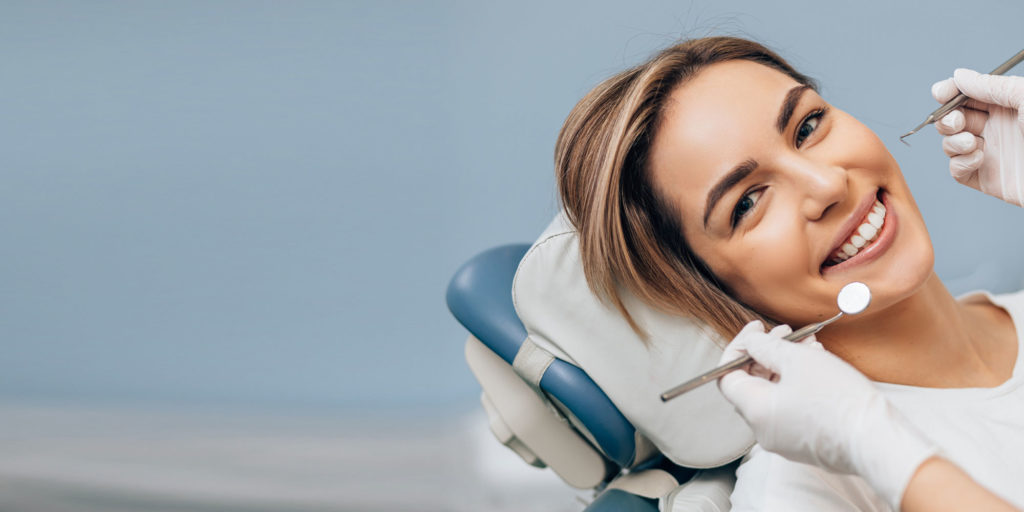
(567, 384)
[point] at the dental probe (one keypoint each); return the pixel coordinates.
(853, 298)
(959, 99)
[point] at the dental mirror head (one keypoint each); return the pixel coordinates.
(854, 298)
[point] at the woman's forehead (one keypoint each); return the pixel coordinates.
(721, 117)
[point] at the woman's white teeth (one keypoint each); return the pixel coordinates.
(863, 235)
(867, 231)
(875, 220)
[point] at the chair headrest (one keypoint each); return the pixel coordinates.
(561, 314)
(479, 296)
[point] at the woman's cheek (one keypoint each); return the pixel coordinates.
(778, 264)
(859, 145)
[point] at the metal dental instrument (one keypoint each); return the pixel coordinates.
(853, 299)
(959, 100)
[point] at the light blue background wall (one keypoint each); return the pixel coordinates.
(260, 203)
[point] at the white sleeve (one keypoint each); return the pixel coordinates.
(707, 491)
(767, 482)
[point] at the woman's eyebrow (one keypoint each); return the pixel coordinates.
(788, 106)
(736, 175)
(741, 171)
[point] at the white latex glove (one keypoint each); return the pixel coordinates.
(985, 138)
(817, 409)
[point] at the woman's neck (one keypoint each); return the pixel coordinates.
(930, 340)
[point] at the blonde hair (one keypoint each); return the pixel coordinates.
(630, 237)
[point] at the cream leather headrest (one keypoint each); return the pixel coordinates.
(700, 429)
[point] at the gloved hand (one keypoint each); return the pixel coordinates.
(815, 408)
(985, 138)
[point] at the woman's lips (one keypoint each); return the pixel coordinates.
(873, 250)
(865, 232)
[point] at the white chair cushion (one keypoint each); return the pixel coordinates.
(561, 314)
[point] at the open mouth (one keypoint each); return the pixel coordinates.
(863, 235)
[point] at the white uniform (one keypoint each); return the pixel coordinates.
(981, 430)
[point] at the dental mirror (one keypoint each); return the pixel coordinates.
(852, 299)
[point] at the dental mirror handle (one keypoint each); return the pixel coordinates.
(713, 375)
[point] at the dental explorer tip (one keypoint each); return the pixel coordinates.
(931, 119)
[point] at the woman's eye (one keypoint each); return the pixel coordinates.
(808, 126)
(746, 203)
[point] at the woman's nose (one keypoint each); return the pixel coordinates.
(823, 185)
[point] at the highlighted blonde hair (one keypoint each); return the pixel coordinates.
(630, 237)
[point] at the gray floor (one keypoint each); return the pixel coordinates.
(109, 459)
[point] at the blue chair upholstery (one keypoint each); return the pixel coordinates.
(479, 295)
(622, 501)
(480, 298)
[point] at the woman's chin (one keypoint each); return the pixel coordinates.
(902, 282)
(900, 268)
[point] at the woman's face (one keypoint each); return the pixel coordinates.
(770, 183)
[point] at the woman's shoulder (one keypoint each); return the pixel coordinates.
(768, 482)
(1012, 301)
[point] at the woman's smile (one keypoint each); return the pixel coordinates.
(868, 236)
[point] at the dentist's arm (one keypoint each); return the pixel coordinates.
(985, 138)
(810, 406)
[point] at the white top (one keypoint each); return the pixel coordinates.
(981, 430)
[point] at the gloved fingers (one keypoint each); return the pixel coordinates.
(752, 326)
(811, 341)
(951, 123)
(759, 370)
(1006, 91)
(964, 168)
(974, 120)
(944, 90)
(770, 352)
(782, 330)
(960, 120)
(961, 144)
(738, 346)
(746, 392)
(753, 334)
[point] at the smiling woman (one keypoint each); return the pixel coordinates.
(714, 182)
(630, 234)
